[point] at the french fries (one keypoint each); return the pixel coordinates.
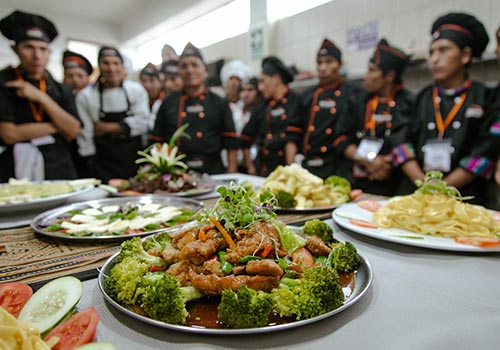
(309, 190)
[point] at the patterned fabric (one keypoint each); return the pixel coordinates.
(479, 166)
(402, 153)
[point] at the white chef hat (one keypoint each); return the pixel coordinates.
(235, 68)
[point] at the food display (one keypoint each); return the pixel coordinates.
(297, 188)
(20, 191)
(109, 218)
(236, 267)
(47, 319)
(163, 172)
(434, 215)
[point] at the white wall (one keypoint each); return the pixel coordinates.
(406, 24)
(68, 28)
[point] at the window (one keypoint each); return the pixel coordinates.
(278, 9)
(89, 50)
(201, 32)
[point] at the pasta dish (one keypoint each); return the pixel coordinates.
(17, 335)
(438, 215)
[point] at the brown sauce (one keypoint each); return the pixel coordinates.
(203, 312)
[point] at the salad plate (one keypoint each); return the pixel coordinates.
(116, 218)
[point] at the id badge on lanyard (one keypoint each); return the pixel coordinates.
(437, 154)
(369, 148)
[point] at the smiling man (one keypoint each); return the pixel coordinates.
(38, 116)
(115, 113)
(211, 126)
(450, 130)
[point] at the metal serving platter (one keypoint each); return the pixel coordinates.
(363, 280)
(49, 217)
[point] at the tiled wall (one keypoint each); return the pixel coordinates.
(406, 24)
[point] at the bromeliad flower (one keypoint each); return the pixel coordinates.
(164, 157)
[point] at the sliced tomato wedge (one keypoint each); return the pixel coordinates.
(78, 330)
(13, 296)
(369, 205)
(356, 193)
(303, 258)
(479, 241)
(131, 193)
(116, 182)
(363, 223)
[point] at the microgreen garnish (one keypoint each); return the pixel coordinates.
(433, 183)
(238, 207)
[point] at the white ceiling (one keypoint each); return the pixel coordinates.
(131, 17)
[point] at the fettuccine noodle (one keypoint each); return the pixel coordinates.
(437, 215)
(15, 335)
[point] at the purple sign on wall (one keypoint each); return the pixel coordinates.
(362, 37)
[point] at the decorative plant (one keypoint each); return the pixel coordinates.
(164, 158)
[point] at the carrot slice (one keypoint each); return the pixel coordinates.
(369, 205)
(224, 233)
(480, 242)
(265, 251)
(356, 193)
(363, 223)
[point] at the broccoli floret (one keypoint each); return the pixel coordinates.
(316, 293)
(163, 298)
(318, 228)
(157, 242)
(285, 199)
(124, 278)
(133, 248)
(344, 257)
(340, 185)
(245, 308)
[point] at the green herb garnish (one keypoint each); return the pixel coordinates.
(434, 184)
(238, 207)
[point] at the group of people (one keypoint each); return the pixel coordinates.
(380, 137)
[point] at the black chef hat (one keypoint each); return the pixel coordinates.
(109, 51)
(72, 59)
(191, 50)
(252, 81)
(151, 70)
(463, 29)
(272, 65)
(389, 58)
(328, 48)
(170, 67)
(20, 26)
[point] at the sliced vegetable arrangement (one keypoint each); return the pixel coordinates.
(117, 217)
(47, 319)
(240, 256)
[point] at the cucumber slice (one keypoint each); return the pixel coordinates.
(96, 346)
(51, 303)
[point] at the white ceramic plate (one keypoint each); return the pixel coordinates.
(342, 214)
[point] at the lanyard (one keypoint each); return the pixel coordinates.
(315, 109)
(371, 109)
(37, 112)
(441, 126)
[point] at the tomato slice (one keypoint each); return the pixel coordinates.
(356, 193)
(479, 241)
(363, 223)
(13, 296)
(116, 182)
(369, 205)
(303, 258)
(78, 330)
(496, 216)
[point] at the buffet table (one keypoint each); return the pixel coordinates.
(419, 299)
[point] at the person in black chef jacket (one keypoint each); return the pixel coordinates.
(210, 123)
(77, 71)
(38, 116)
(115, 113)
(364, 136)
(323, 106)
(449, 132)
(273, 125)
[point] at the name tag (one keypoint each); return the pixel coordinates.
(195, 163)
(277, 112)
(369, 148)
(194, 109)
(382, 118)
(474, 111)
(437, 155)
(327, 104)
(314, 163)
